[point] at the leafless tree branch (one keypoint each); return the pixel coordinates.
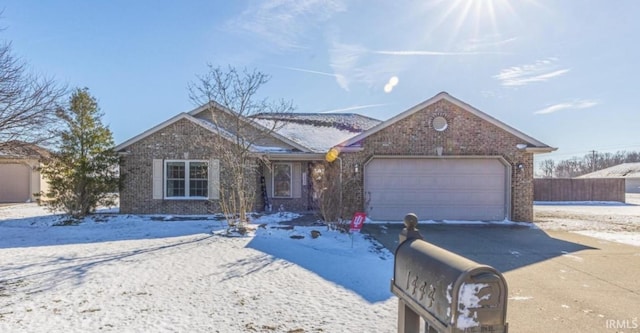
(28, 102)
(236, 92)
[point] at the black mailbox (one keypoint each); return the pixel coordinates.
(451, 293)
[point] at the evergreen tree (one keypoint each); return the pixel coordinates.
(83, 173)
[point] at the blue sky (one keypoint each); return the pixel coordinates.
(563, 72)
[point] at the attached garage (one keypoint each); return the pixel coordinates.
(15, 182)
(437, 188)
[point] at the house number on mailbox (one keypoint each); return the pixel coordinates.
(429, 292)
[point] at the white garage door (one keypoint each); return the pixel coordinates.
(14, 183)
(466, 189)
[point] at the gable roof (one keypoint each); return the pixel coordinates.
(314, 133)
(22, 150)
(533, 145)
(624, 170)
(160, 126)
(191, 116)
(317, 131)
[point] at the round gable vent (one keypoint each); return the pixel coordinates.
(439, 123)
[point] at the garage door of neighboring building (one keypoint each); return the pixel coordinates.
(14, 182)
(466, 189)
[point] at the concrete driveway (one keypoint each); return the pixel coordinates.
(558, 281)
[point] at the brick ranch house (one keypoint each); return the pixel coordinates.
(441, 159)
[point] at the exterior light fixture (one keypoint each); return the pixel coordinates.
(332, 155)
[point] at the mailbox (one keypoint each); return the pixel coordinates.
(450, 292)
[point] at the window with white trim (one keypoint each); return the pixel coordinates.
(186, 179)
(282, 180)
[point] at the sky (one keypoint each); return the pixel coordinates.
(563, 72)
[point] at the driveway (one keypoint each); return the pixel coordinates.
(558, 281)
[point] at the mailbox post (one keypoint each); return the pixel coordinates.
(451, 293)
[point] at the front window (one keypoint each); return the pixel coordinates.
(282, 180)
(186, 179)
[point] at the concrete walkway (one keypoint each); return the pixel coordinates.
(558, 281)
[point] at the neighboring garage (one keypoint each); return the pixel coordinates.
(20, 178)
(440, 188)
(15, 181)
(629, 171)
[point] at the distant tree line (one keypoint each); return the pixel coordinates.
(591, 162)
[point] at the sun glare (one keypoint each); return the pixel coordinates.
(482, 13)
(471, 18)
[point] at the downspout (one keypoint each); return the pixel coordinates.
(332, 155)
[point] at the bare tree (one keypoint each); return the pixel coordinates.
(326, 190)
(570, 168)
(548, 168)
(28, 102)
(593, 161)
(233, 101)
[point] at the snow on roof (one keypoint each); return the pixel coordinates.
(348, 121)
(316, 131)
(19, 149)
(624, 170)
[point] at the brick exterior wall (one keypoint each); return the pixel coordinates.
(466, 135)
(182, 140)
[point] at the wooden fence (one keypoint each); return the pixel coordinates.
(579, 189)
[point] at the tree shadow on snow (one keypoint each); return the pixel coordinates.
(47, 274)
(97, 228)
(360, 270)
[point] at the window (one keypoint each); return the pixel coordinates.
(282, 180)
(186, 179)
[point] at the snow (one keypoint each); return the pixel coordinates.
(126, 273)
(467, 301)
(608, 221)
(631, 238)
(316, 138)
(132, 273)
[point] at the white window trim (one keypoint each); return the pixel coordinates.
(186, 180)
(273, 181)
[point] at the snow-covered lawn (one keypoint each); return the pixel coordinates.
(125, 273)
(612, 221)
(122, 273)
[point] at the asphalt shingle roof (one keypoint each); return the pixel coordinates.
(19, 149)
(318, 131)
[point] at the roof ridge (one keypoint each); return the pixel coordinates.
(263, 114)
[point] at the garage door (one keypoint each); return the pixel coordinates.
(467, 189)
(14, 183)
